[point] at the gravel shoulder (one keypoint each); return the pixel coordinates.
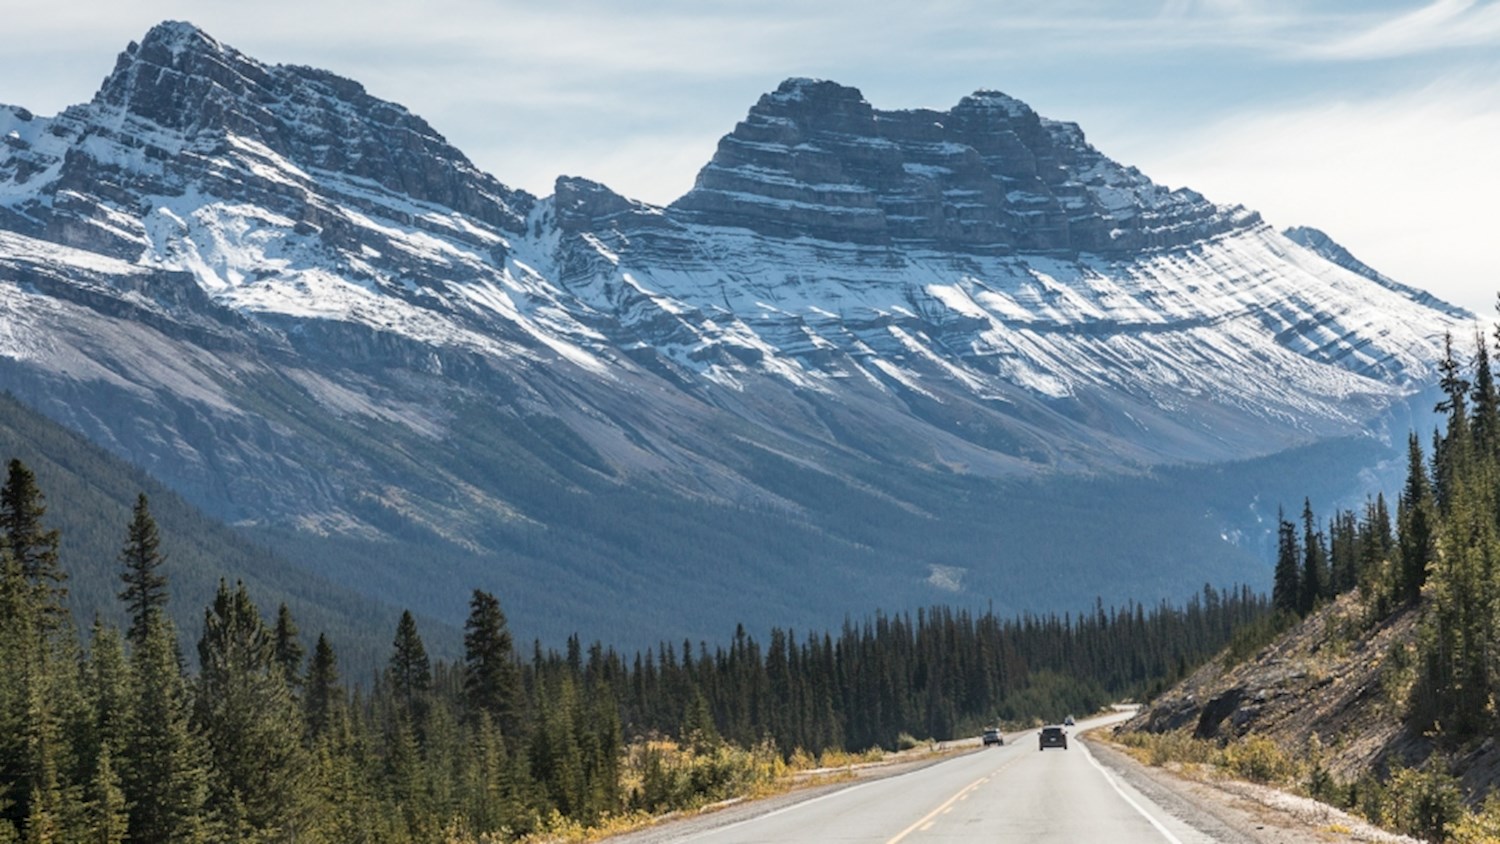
(1237, 812)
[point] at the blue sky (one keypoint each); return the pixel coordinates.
(1376, 120)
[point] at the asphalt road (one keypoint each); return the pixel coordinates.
(1010, 793)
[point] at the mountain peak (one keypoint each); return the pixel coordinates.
(181, 78)
(989, 99)
(300, 119)
(802, 88)
(180, 36)
(990, 176)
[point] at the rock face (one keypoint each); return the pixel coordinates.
(806, 387)
(989, 176)
(1309, 688)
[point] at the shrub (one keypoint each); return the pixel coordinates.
(1424, 803)
(666, 777)
(1482, 827)
(1258, 759)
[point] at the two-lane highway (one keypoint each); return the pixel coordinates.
(1015, 792)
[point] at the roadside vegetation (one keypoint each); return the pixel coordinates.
(1438, 558)
(114, 736)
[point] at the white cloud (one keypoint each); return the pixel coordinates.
(1440, 25)
(1408, 183)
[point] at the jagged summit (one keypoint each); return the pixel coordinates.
(182, 112)
(989, 176)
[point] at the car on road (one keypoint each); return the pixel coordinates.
(1053, 737)
(992, 736)
(1068, 721)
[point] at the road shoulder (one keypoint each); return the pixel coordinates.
(1236, 812)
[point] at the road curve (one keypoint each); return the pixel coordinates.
(1011, 793)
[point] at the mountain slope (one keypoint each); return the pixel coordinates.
(861, 363)
(89, 496)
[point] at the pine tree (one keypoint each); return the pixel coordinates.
(409, 672)
(1286, 588)
(18, 644)
(492, 681)
(164, 769)
(22, 507)
(323, 696)
(108, 820)
(288, 648)
(109, 692)
(246, 710)
(1417, 517)
(1315, 585)
(1453, 448)
(1486, 400)
(145, 587)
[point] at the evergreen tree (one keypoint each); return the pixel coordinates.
(108, 820)
(323, 695)
(145, 587)
(410, 672)
(1343, 552)
(1417, 517)
(109, 692)
(22, 507)
(1486, 399)
(17, 645)
(288, 648)
(164, 769)
(252, 723)
(1451, 449)
(1286, 588)
(492, 681)
(1315, 585)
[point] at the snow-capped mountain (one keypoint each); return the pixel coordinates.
(834, 363)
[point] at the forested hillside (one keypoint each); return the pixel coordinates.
(1394, 669)
(106, 737)
(92, 493)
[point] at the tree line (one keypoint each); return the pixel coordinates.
(114, 736)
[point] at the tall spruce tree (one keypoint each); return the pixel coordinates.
(164, 771)
(1417, 519)
(22, 507)
(409, 671)
(246, 710)
(288, 647)
(492, 680)
(145, 586)
(1286, 587)
(1451, 448)
(322, 697)
(1315, 580)
(1486, 400)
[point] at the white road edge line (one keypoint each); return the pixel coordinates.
(783, 810)
(1166, 833)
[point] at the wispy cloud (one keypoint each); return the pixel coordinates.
(1440, 25)
(1406, 182)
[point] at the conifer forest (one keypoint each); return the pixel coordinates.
(254, 734)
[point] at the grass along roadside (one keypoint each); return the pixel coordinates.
(667, 780)
(1424, 803)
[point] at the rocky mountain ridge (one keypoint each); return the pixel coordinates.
(299, 306)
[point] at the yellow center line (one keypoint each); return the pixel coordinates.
(947, 805)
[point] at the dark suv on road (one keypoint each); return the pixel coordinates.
(1053, 737)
